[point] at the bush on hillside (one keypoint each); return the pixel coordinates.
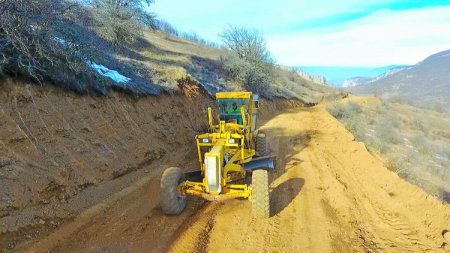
(419, 124)
(37, 41)
(249, 61)
(344, 111)
(240, 71)
(120, 22)
(386, 130)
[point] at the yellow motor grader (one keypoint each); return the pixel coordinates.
(229, 153)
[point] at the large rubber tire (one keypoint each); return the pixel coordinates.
(172, 202)
(260, 194)
(261, 145)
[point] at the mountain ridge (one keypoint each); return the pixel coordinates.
(425, 84)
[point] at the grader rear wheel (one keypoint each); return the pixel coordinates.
(260, 194)
(261, 145)
(172, 202)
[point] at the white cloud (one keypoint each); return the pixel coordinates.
(385, 37)
(208, 18)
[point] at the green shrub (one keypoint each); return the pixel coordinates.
(344, 111)
(353, 107)
(386, 129)
(394, 164)
(379, 145)
(418, 124)
(336, 110)
(447, 154)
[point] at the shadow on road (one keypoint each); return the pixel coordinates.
(282, 195)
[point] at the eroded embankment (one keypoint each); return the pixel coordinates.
(54, 145)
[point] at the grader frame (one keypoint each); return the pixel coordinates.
(230, 151)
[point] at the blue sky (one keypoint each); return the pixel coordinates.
(324, 33)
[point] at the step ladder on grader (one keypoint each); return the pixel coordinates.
(232, 151)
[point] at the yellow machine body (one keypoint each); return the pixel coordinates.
(226, 148)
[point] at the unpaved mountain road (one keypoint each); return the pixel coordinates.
(328, 194)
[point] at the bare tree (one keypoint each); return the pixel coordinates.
(250, 61)
(29, 42)
(120, 21)
(248, 44)
(166, 27)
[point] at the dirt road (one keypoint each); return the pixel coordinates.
(329, 194)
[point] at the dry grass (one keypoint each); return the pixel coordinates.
(175, 45)
(413, 141)
(170, 58)
(153, 61)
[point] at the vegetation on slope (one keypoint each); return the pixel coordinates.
(63, 52)
(414, 142)
(38, 41)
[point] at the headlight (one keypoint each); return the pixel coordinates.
(205, 140)
(231, 141)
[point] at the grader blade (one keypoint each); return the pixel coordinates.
(265, 162)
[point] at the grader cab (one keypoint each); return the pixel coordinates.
(230, 152)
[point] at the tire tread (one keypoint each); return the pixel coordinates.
(260, 194)
(170, 203)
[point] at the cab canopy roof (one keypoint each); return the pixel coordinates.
(238, 94)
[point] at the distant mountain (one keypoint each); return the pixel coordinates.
(359, 80)
(337, 75)
(366, 80)
(426, 84)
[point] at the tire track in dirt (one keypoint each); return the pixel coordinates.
(390, 224)
(347, 201)
(195, 232)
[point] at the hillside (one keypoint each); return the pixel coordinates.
(63, 43)
(351, 82)
(412, 142)
(425, 84)
(170, 59)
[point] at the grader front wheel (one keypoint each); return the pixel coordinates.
(172, 202)
(260, 194)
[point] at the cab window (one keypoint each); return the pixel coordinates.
(230, 109)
